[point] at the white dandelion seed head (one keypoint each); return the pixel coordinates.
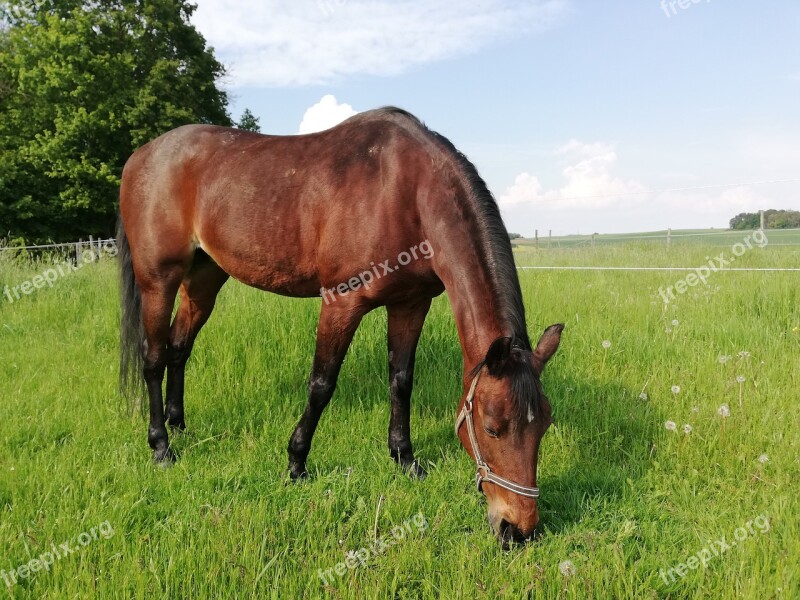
(567, 568)
(668, 330)
(643, 396)
(687, 429)
(744, 354)
(676, 389)
(724, 411)
(670, 426)
(695, 409)
(740, 379)
(606, 345)
(763, 459)
(675, 322)
(723, 358)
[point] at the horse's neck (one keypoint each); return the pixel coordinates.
(475, 305)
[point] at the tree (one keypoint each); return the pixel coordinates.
(249, 122)
(773, 219)
(82, 85)
(514, 236)
(746, 221)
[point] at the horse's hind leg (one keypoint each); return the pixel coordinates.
(337, 324)
(404, 329)
(158, 298)
(198, 292)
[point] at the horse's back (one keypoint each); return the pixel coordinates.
(283, 213)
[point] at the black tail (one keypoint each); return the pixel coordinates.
(131, 332)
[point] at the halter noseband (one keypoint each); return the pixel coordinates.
(484, 473)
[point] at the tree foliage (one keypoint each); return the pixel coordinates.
(249, 122)
(773, 219)
(82, 85)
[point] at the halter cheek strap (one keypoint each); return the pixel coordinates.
(484, 473)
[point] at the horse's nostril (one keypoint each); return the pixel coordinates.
(508, 533)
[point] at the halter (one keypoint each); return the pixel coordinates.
(484, 473)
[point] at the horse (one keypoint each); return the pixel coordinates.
(314, 215)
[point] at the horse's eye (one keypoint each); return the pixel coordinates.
(491, 432)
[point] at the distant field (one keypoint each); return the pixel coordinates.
(697, 237)
(624, 497)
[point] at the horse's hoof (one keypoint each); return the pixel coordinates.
(415, 470)
(164, 458)
(297, 473)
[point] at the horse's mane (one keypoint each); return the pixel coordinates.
(494, 246)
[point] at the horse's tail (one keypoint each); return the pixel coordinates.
(131, 331)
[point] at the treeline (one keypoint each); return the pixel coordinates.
(773, 219)
(82, 85)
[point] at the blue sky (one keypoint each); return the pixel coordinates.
(581, 116)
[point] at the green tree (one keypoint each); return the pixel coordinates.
(82, 85)
(746, 221)
(249, 122)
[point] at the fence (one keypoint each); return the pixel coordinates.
(777, 237)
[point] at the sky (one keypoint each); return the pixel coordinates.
(582, 116)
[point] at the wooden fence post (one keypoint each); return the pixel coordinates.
(669, 237)
(536, 235)
(549, 238)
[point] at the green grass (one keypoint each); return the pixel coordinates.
(622, 497)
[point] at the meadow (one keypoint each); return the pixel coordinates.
(677, 430)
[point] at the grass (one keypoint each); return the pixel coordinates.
(623, 497)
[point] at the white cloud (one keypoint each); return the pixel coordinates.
(272, 43)
(325, 114)
(593, 197)
(589, 181)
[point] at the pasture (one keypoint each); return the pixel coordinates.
(630, 508)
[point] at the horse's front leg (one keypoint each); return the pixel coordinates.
(404, 329)
(338, 322)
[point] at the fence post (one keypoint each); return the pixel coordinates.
(669, 237)
(761, 220)
(593, 239)
(536, 235)
(549, 238)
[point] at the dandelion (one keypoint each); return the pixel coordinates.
(695, 409)
(744, 354)
(724, 411)
(670, 426)
(723, 358)
(763, 459)
(643, 396)
(676, 389)
(567, 568)
(606, 345)
(687, 429)
(668, 330)
(740, 379)
(675, 322)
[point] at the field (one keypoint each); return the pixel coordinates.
(630, 507)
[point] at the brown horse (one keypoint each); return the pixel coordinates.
(319, 214)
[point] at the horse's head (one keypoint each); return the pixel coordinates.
(503, 417)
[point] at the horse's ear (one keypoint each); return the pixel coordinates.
(497, 355)
(547, 346)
